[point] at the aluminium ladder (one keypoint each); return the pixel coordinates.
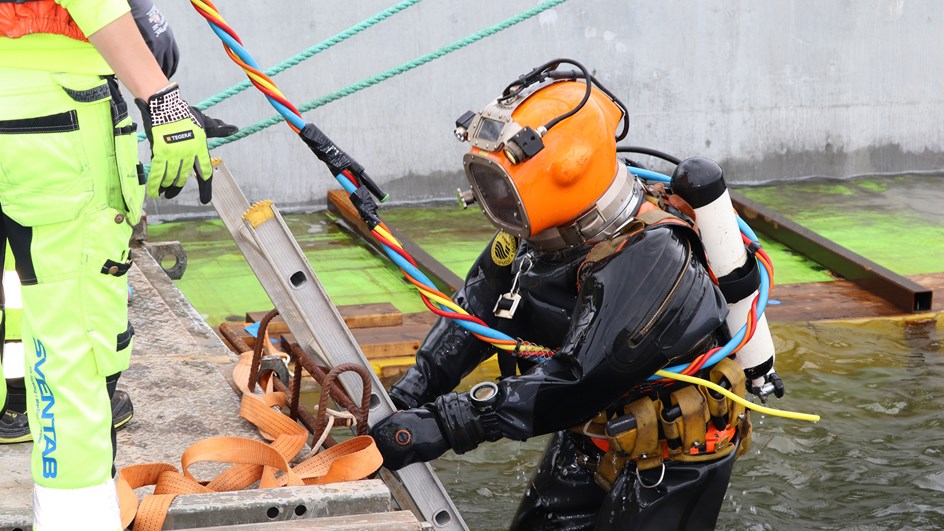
(288, 279)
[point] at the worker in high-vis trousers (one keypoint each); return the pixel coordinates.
(71, 189)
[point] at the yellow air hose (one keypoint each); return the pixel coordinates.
(750, 405)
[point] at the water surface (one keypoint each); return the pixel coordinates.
(873, 462)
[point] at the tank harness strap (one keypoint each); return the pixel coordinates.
(698, 426)
(657, 216)
(657, 195)
(648, 216)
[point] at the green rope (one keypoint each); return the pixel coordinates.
(305, 54)
(387, 74)
(308, 53)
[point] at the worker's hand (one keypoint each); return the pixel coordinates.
(178, 144)
(411, 436)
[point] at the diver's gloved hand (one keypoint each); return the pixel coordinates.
(407, 437)
(178, 144)
(425, 433)
(214, 127)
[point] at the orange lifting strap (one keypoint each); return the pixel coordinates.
(252, 460)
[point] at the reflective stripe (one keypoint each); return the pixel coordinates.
(54, 123)
(124, 338)
(91, 95)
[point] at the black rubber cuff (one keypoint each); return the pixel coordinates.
(740, 283)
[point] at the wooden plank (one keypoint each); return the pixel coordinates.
(442, 276)
(384, 341)
(388, 342)
(355, 316)
(367, 315)
(406, 336)
(842, 299)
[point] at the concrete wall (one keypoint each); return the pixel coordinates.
(772, 90)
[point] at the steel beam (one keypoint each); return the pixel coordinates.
(900, 291)
(442, 276)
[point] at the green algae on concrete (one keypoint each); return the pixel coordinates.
(452, 235)
(896, 222)
(893, 221)
(790, 267)
(220, 284)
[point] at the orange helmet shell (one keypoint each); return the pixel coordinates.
(578, 162)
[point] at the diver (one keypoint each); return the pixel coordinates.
(609, 274)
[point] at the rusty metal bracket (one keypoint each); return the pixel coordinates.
(900, 291)
(161, 250)
(275, 365)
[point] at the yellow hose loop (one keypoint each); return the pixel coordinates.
(445, 302)
(750, 405)
(387, 235)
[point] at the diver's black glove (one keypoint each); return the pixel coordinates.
(407, 437)
(402, 398)
(425, 433)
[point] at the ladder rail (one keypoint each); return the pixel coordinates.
(287, 277)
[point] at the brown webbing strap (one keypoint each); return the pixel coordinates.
(657, 216)
(642, 444)
(737, 413)
(694, 416)
(252, 460)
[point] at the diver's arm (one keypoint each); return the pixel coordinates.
(605, 353)
(449, 352)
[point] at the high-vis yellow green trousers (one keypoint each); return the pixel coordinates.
(70, 193)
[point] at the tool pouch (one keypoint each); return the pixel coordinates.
(687, 432)
(639, 443)
(703, 439)
(737, 415)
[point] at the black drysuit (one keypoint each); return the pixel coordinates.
(648, 305)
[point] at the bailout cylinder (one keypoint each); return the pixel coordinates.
(700, 182)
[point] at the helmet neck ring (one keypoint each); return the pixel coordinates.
(618, 206)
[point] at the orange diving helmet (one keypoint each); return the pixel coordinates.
(556, 189)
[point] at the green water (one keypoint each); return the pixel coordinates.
(874, 461)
